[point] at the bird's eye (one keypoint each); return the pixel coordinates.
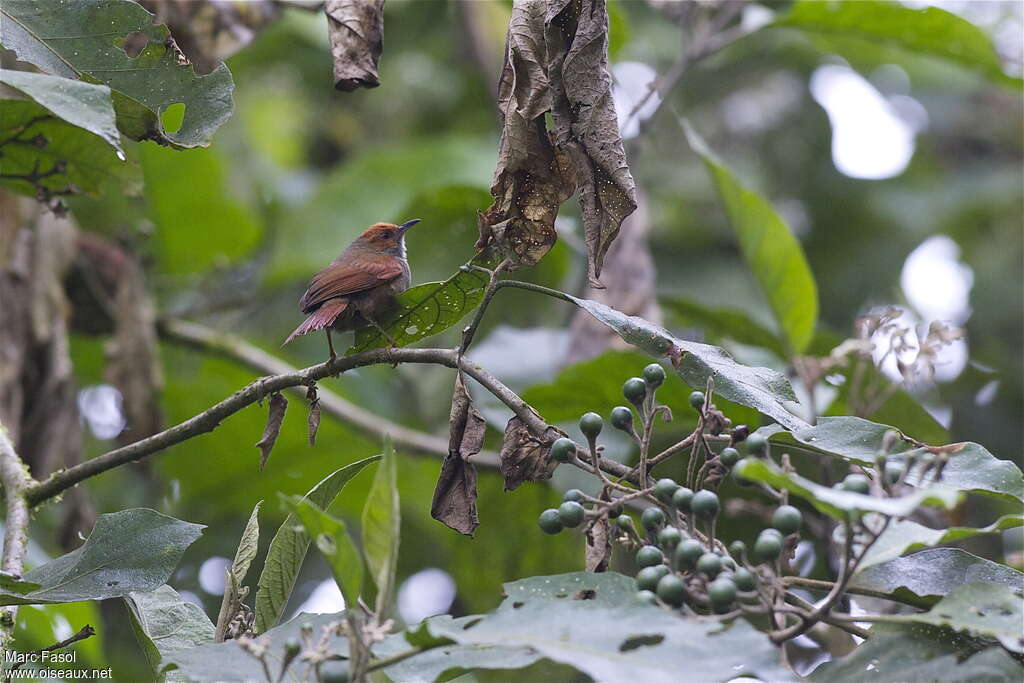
(386, 235)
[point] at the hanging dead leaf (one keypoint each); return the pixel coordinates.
(314, 412)
(278, 404)
(454, 503)
(599, 546)
(525, 457)
(356, 31)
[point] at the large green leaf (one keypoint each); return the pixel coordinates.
(615, 637)
(970, 468)
(986, 609)
(838, 502)
(770, 249)
(919, 654)
(928, 31)
(729, 323)
(425, 310)
(331, 538)
(164, 623)
(923, 578)
(762, 389)
(127, 551)
(288, 548)
(86, 39)
(382, 522)
(905, 535)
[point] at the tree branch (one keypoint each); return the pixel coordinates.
(15, 480)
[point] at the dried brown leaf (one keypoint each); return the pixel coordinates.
(314, 413)
(454, 503)
(278, 404)
(356, 31)
(525, 457)
(599, 546)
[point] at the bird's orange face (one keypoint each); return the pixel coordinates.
(386, 237)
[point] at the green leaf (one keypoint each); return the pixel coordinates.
(904, 535)
(723, 322)
(837, 502)
(127, 551)
(332, 540)
(928, 31)
(288, 548)
(382, 521)
(762, 389)
(986, 609)
(923, 578)
(164, 623)
(614, 637)
(85, 105)
(970, 468)
(234, 592)
(916, 652)
(85, 40)
(10, 584)
(425, 310)
(772, 252)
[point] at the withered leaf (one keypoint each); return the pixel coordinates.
(454, 503)
(314, 412)
(278, 404)
(356, 31)
(599, 546)
(556, 61)
(525, 457)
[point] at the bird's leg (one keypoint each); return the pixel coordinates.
(330, 345)
(391, 340)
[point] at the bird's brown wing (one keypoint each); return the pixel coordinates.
(342, 279)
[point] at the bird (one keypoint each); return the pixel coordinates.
(358, 285)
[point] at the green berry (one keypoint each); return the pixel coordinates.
(654, 375)
(571, 513)
(757, 444)
(563, 449)
(615, 511)
(738, 549)
(669, 537)
(550, 522)
(652, 518)
(573, 494)
(893, 472)
(590, 425)
(682, 498)
(767, 547)
(665, 489)
(292, 647)
(697, 400)
(647, 596)
(648, 577)
(635, 390)
(625, 522)
(787, 519)
(672, 590)
(622, 418)
(858, 483)
(744, 579)
(722, 592)
(729, 456)
(710, 564)
(705, 504)
(687, 553)
(771, 531)
(334, 672)
(648, 556)
(729, 563)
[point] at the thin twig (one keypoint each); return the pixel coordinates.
(15, 479)
(86, 631)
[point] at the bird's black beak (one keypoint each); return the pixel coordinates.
(406, 225)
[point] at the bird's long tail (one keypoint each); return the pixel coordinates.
(322, 317)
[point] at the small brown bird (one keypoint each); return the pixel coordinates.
(359, 284)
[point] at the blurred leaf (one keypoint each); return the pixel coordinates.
(762, 389)
(190, 203)
(770, 249)
(987, 609)
(332, 540)
(970, 467)
(923, 578)
(164, 623)
(837, 502)
(928, 30)
(131, 550)
(382, 526)
(425, 310)
(288, 548)
(622, 638)
(88, 39)
(10, 584)
(905, 652)
(81, 104)
(904, 535)
(723, 322)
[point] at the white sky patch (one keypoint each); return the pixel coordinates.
(100, 408)
(872, 136)
(631, 82)
(935, 281)
(326, 598)
(424, 594)
(211, 575)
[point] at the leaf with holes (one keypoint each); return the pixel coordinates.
(91, 40)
